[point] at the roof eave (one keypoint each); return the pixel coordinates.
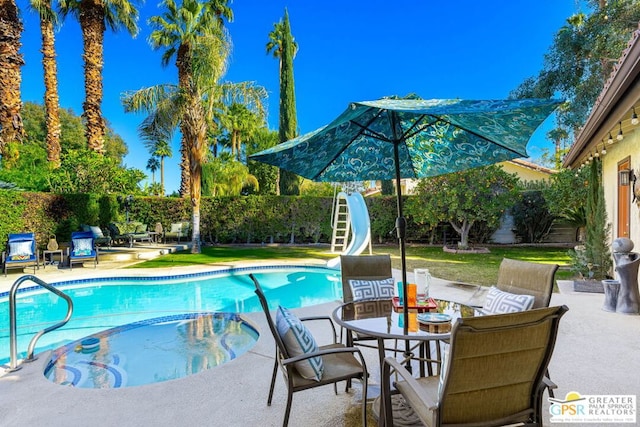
(616, 99)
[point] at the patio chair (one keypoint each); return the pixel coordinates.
(493, 375)
(20, 252)
(82, 248)
(99, 238)
(373, 268)
(339, 362)
(177, 231)
(529, 278)
(523, 277)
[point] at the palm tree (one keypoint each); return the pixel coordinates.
(153, 164)
(48, 20)
(157, 142)
(11, 128)
(163, 149)
(191, 32)
(179, 30)
(94, 17)
(243, 112)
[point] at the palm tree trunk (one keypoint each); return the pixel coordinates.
(184, 66)
(11, 127)
(162, 174)
(93, 28)
(51, 99)
(185, 176)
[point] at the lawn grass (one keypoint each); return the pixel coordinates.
(471, 268)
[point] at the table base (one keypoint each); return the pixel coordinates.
(403, 414)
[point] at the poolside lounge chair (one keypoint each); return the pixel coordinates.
(339, 362)
(82, 248)
(99, 237)
(493, 376)
(20, 252)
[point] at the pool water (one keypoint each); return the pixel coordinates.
(151, 351)
(101, 304)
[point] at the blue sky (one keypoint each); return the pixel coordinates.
(348, 51)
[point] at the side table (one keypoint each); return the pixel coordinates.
(51, 254)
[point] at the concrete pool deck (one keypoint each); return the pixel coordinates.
(597, 353)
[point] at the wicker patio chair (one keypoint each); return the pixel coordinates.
(340, 362)
(494, 373)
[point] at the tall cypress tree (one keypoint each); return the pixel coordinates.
(597, 231)
(288, 127)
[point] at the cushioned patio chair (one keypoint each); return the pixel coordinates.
(305, 365)
(82, 248)
(99, 237)
(20, 252)
(493, 376)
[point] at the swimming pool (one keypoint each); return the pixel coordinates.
(100, 304)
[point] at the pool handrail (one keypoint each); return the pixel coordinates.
(13, 338)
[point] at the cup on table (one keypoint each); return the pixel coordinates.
(422, 279)
(412, 295)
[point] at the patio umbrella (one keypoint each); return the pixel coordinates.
(411, 138)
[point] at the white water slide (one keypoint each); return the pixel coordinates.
(358, 229)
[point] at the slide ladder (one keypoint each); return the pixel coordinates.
(341, 226)
(352, 226)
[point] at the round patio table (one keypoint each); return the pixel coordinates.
(378, 319)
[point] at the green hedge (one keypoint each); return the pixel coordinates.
(244, 219)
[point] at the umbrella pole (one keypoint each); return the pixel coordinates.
(401, 228)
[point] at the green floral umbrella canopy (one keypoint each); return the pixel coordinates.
(433, 137)
(411, 138)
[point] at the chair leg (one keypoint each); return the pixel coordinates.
(273, 381)
(287, 411)
(365, 385)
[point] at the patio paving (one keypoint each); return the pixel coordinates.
(596, 353)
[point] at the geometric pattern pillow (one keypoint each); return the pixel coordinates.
(82, 247)
(298, 341)
(504, 302)
(363, 289)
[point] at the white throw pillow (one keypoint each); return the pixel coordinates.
(20, 248)
(367, 289)
(96, 231)
(298, 341)
(504, 302)
(82, 247)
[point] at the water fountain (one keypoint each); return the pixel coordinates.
(627, 297)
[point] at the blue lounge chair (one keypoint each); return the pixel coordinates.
(83, 248)
(21, 252)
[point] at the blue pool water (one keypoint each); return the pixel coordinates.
(151, 351)
(100, 304)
